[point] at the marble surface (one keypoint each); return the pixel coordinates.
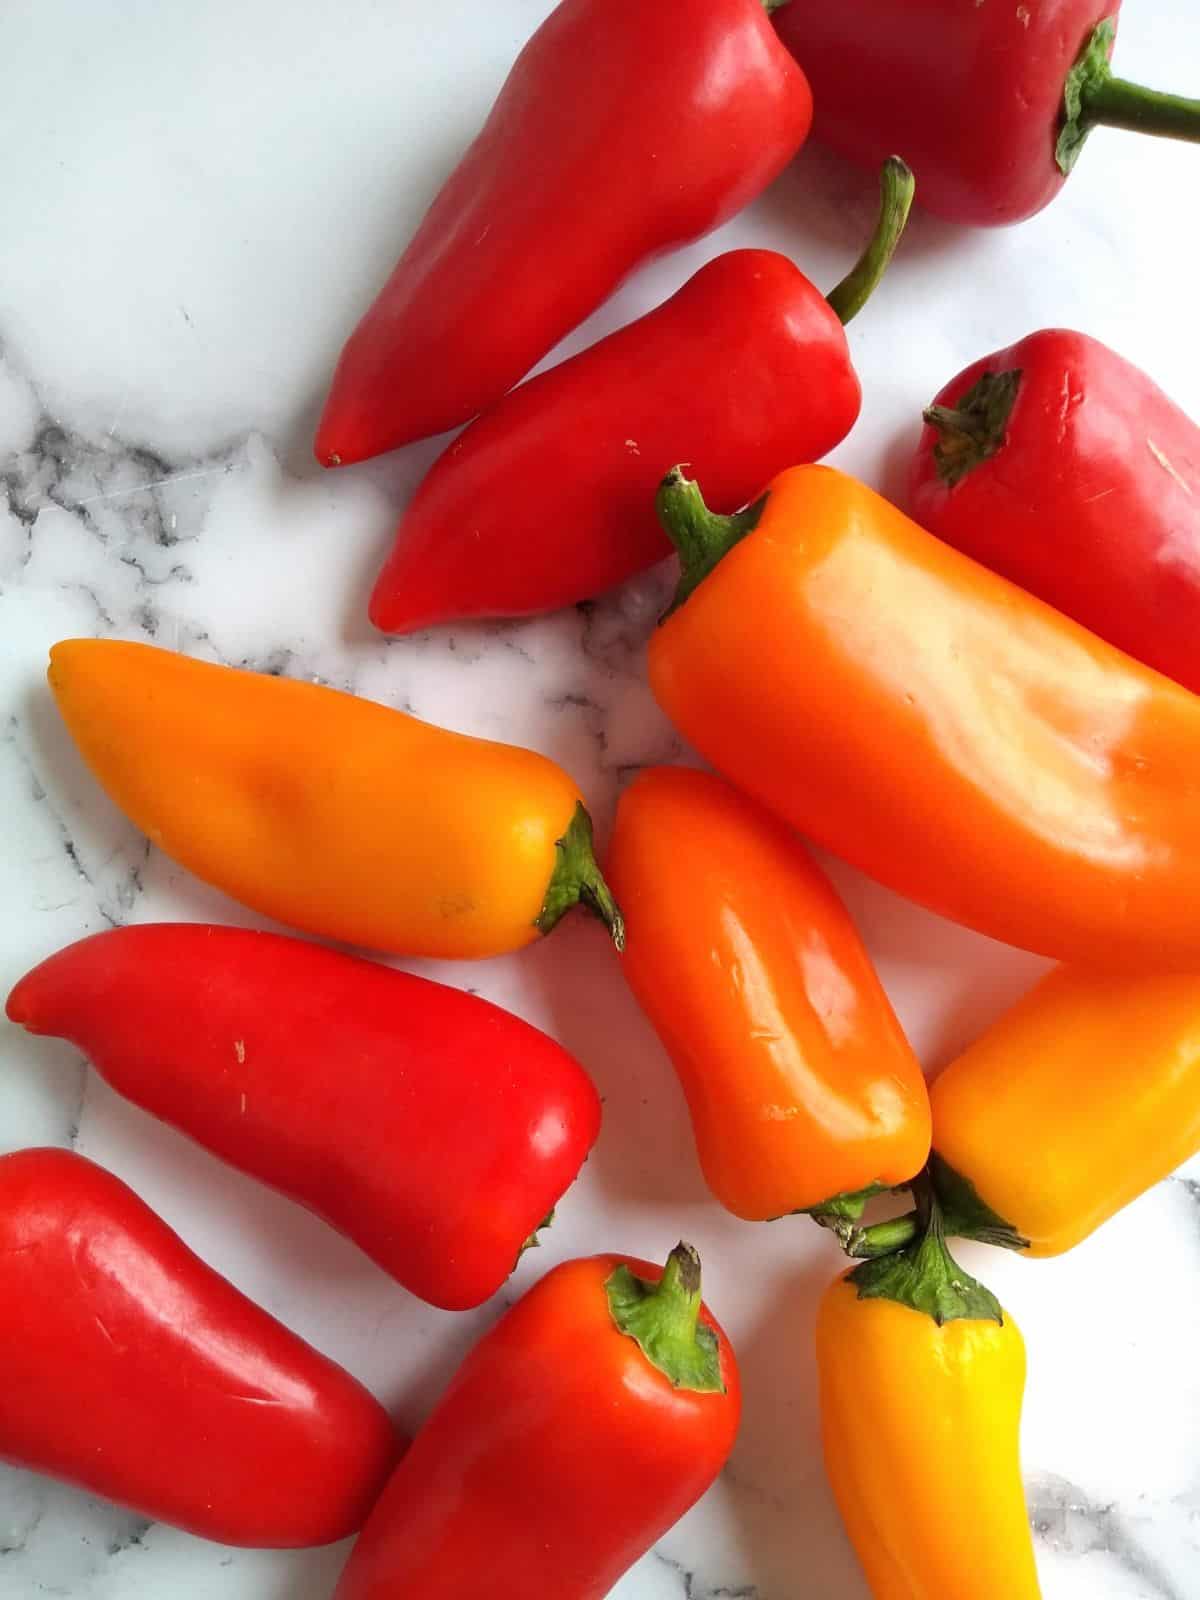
(197, 202)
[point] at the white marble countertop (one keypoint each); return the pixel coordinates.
(197, 202)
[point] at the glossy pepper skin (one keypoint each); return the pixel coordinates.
(973, 96)
(333, 814)
(801, 1084)
(624, 130)
(949, 735)
(562, 1449)
(1063, 467)
(134, 1371)
(434, 1129)
(920, 1425)
(1070, 1106)
(548, 499)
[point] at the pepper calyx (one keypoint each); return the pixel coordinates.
(925, 1277)
(664, 1320)
(966, 1215)
(577, 880)
(976, 429)
(1095, 97)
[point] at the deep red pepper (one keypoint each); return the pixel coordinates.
(590, 1418)
(624, 129)
(433, 1128)
(1064, 468)
(138, 1373)
(990, 104)
(548, 499)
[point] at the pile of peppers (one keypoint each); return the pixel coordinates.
(989, 705)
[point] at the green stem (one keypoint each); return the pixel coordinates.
(664, 1319)
(774, 5)
(1094, 98)
(897, 187)
(702, 538)
(577, 880)
(976, 429)
(925, 1277)
(882, 1238)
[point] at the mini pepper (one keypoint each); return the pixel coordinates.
(921, 1379)
(801, 1085)
(1063, 467)
(1075, 1102)
(953, 737)
(429, 1126)
(547, 499)
(592, 1416)
(990, 104)
(330, 813)
(624, 130)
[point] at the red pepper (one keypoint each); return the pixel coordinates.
(625, 129)
(433, 1128)
(990, 104)
(1061, 466)
(136, 1372)
(548, 499)
(590, 1418)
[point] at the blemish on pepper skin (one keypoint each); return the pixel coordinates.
(1165, 463)
(239, 1050)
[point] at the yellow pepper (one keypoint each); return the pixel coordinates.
(330, 813)
(1073, 1104)
(921, 1381)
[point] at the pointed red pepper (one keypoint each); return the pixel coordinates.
(549, 498)
(432, 1128)
(626, 128)
(990, 104)
(136, 1372)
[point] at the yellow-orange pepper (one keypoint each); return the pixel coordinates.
(948, 734)
(921, 1382)
(1073, 1104)
(801, 1085)
(332, 814)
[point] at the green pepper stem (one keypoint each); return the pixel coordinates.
(702, 537)
(664, 1319)
(774, 5)
(577, 880)
(925, 1277)
(897, 187)
(1095, 98)
(882, 1238)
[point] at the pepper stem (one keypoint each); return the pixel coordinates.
(967, 1215)
(976, 429)
(577, 880)
(925, 1277)
(897, 187)
(702, 538)
(774, 5)
(664, 1319)
(1094, 98)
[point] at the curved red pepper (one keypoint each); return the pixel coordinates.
(624, 129)
(990, 104)
(1064, 468)
(138, 1373)
(590, 1418)
(548, 499)
(431, 1127)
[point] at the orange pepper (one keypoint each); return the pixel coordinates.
(1070, 1106)
(919, 716)
(330, 813)
(801, 1084)
(921, 1378)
